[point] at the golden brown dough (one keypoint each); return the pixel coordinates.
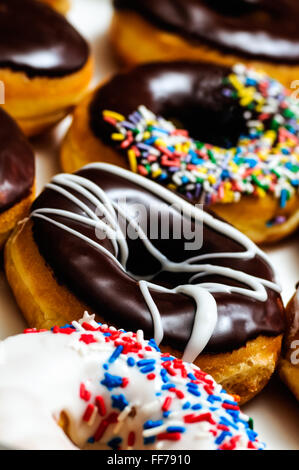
(45, 101)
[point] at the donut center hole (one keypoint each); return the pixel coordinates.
(221, 127)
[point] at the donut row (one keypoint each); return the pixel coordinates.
(213, 142)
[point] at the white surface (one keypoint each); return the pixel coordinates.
(275, 411)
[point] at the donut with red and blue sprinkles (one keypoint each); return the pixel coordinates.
(111, 389)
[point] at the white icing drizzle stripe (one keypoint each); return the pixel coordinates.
(206, 309)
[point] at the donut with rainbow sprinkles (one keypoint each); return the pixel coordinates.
(226, 137)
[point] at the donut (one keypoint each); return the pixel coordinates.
(241, 158)
(259, 33)
(45, 64)
(112, 242)
(89, 386)
(288, 363)
(17, 178)
(61, 5)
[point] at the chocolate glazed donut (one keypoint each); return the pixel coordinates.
(45, 64)
(240, 318)
(16, 164)
(258, 33)
(232, 166)
(17, 172)
(260, 29)
(208, 299)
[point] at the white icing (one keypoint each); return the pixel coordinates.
(206, 308)
(41, 378)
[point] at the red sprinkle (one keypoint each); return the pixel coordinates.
(84, 394)
(178, 393)
(87, 339)
(131, 439)
(169, 436)
(125, 382)
(192, 418)
(166, 404)
(64, 331)
(151, 376)
(88, 412)
(100, 403)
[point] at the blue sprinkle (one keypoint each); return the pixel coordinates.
(194, 392)
(191, 376)
(168, 386)
(131, 362)
(192, 385)
(227, 422)
(166, 414)
(90, 440)
(149, 440)
(170, 358)
(176, 429)
(222, 436)
(112, 381)
(115, 442)
(107, 334)
(105, 366)
(213, 398)
(152, 424)
(117, 352)
(145, 362)
(153, 344)
(186, 405)
(197, 406)
(147, 369)
(251, 434)
(163, 374)
(119, 401)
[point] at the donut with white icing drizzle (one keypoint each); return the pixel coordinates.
(107, 388)
(210, 300)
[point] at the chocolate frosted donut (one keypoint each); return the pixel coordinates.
(41, 56)
(16, 175)
(259, 31)
(208, 299)
(225, 137)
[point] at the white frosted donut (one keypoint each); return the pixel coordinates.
(110, 389)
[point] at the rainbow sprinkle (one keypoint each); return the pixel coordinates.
(184, 398)
(264, 161)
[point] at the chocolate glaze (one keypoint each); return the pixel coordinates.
(260, 29)
(16, 163)
(37, 40)
(115, 295)
(188, 92)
